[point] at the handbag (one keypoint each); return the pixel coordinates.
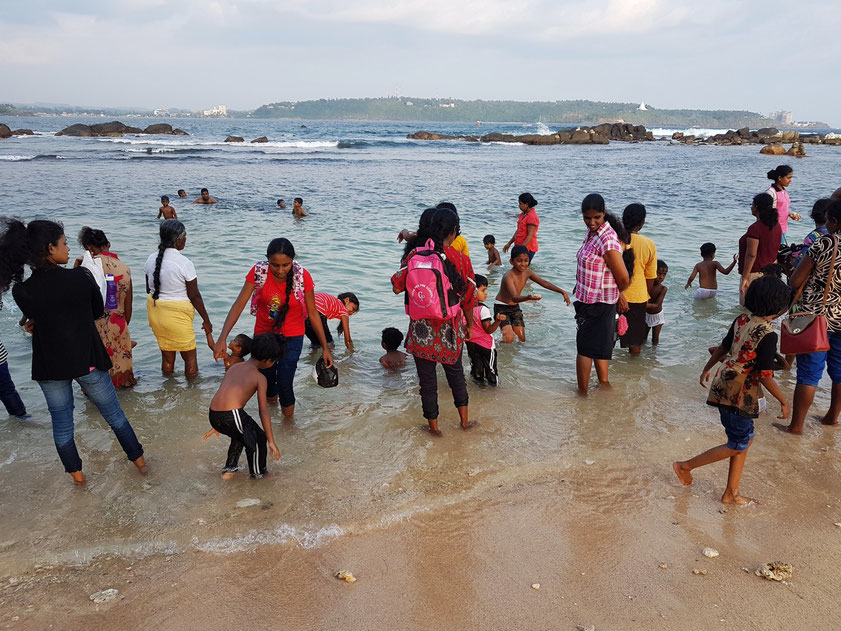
(802, 333)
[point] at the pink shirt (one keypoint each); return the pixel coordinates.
(782, 202)
(329, 306)
(480, 337)
(594, 281)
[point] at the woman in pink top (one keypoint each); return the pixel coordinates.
(527, 224)
(781, 176)
(603, 272)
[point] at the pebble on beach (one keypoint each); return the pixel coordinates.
(589, 627)
(775, 571)
(347, 577)
(698, 572)
(106, 595)
(535, 585)
(710, 553)
(248, 502)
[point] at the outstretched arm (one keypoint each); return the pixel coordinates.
(265, 417)
(691, 278)
(726, 270)
(233, 315)
(550, 286)
(346, 331)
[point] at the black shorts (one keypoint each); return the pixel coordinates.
(512, 313)
(483, 363)
(596, 334)
(637, 329)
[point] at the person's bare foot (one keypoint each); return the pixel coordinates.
(684, 476)
(737, 500)
(827, 420)
(605, 385)
(787, 428)
(140, 463)
(469, 425)
(78, 478)
(228, 475)
(432, 428)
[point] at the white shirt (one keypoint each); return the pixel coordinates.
(176, 271)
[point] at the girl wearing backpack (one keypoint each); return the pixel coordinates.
(439, 286)
(282, 295)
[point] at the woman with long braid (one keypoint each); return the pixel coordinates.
(282, 295)
(61, 307)
(173, 299)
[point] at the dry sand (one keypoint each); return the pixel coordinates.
(594, 540)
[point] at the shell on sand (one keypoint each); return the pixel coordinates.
(775, 571)
(347, 577)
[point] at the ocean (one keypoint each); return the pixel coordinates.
(353, 460)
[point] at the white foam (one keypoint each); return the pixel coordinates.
(283, 534)
(701, 132)
(543, 130)
(289, 144)
(10, 459)
(16, 158)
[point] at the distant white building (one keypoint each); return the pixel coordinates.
(642, 107)
(446, 105)
(220, 111)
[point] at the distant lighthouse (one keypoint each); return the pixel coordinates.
(642, 107)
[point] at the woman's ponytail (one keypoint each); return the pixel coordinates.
(628, 256)
(171, 230)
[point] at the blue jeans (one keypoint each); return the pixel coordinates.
(10, 397)
(282, 373)
(99, 388)
(810, 366)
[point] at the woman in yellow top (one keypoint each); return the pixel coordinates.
(633, 301)
(418, 238)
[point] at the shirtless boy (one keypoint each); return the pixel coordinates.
(494, 259)
(705, 270)
(227, 409)
(508, 299)
(298, 207)
(205, 198)
(394, 358)
(166, 211)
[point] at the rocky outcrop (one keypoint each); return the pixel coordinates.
(5, 132)
(775, 149)
(234, 139)
(598, 135)
(116, 128)
(179, 132)
(796, 150)
(23, 132)
(261, 139)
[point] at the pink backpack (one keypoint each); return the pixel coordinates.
(429, 293)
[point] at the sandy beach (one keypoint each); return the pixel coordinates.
(611, 544)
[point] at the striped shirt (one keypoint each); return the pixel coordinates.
(3, 354)
(329, 306)
(594, 281)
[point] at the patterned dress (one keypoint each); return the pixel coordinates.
(113, 328)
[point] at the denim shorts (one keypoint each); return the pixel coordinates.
(739, 429)
(810, 365)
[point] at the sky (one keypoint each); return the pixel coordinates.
(758, 55)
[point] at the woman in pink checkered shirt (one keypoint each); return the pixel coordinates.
(602, 273)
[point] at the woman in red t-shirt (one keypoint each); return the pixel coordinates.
(527, 225)
(282, 295)
(759, 245)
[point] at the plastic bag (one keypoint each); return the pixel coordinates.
(325, 377)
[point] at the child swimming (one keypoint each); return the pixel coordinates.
(481, 348)
(508, 299)
(494, 259)
(227, 409)
(706, 270)
(748, 354)
(240, 348)
(394, 359)
(166, 211)
(654, 318)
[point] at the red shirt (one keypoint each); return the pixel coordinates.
(766, 251)
(329, 306)
(525, 220)
(272, 297)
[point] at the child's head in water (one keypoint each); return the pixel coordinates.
(662, 270)
(481, 288)
(240, 346)
(767, 296)
(265, 350)
(519, 257)
(391, 339)
(489, 241)
(708, 251)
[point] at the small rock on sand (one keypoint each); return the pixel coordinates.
(106, 595)
(775, 571)
(838, 523)
(589, 627)
(347, 577)
(251, 501)
(535, 585)
(663, 566)
(698, 572)
(710, 553)
(589, 462)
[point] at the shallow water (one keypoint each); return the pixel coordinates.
(353, 459)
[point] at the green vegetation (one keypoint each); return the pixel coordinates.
(553, 113)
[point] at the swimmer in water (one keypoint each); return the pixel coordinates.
(166, 211)
(298, 207)
(205, 198)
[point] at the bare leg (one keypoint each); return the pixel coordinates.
(462, 415)
(433, 426)
(167, 362)
(737, 463)
(140, 463)
(601, 372)
(831, 417)
(191, 364)
(655, 334)
(790, 360)
(634, 350)
(288, 411)
(734, 476)
(78, 477)
(583, 366)
(521, 332)
(803, 397)
(508, 334)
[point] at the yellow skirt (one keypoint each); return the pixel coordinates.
(172, 323)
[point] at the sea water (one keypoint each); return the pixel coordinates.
(353, 458)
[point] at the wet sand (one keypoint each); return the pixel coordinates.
(593, 536)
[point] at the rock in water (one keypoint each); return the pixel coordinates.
(23, 132)
(234, 139)
(775, 571)
(775, 149)
(251, 501)
(261, 139)
(796, 150)
(710, 553)
(5, 132)
(105, 596)
(158, 128)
